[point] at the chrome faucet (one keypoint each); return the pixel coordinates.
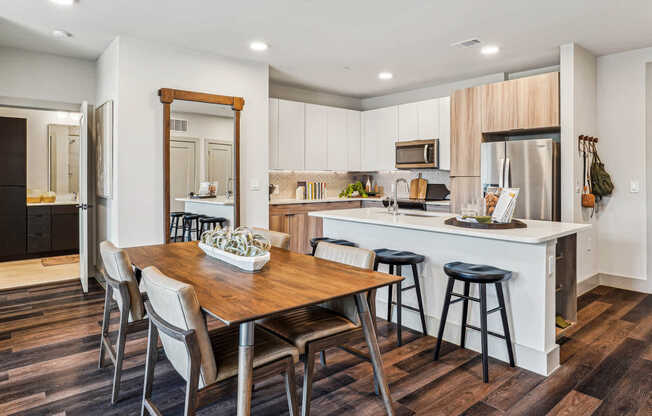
(229, 188)
(394, 206)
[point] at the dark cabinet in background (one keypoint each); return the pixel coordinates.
(13, 178)
(52, 229)
(65, 228)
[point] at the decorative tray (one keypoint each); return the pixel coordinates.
(485, 226)
(249, 264)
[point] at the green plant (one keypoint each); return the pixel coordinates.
(353, 187)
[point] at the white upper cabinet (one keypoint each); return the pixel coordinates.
(316, 137)
(428, 119)
(445, 133)
(379, 132)
(354, 139)
(273, 133)
(408, 122)
(337, 139)
(291, 135)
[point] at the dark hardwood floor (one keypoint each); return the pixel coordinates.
(49, 338)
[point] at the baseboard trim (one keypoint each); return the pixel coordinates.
(626, 283)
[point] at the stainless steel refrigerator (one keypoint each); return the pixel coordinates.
(531, 165)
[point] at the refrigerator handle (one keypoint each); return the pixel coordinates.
(501, 176)
(508, 173)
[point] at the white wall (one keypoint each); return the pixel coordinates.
(43, 77)
(37, 141)
(144, 68)
(622, 232)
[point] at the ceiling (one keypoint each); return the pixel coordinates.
(340, 46)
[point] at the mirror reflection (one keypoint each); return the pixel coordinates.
(201, 167)
(64, 159)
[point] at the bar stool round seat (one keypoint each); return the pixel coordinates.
(482, 275)
(397, 259)
(314, 242)
(207, 223)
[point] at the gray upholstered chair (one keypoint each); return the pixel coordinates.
(121, 287)
(332, 324)
(278, 239)
(208, 361)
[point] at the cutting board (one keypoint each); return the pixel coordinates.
(418, 188)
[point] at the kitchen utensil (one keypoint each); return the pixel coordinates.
(418, 188)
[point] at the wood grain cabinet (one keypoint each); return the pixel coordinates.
(466, 132)
(538, 101)
(464, 190)
(499, 107)
(293, 219)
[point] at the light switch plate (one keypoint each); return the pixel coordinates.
(254, 185)
(634, 186)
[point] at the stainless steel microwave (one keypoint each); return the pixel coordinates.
(417, 154)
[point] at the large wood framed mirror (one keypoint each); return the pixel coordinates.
(201, 156)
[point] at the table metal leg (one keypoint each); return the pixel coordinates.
(245, 368)
(374, 351)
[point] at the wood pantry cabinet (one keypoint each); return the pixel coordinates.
(293, 219)
(538, 101)
(466, 132)
(464, 190)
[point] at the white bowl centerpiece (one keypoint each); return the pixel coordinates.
(240, 247)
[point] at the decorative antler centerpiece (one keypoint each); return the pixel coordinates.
(240, 247)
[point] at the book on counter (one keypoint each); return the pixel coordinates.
(314, 190)
(505, 206)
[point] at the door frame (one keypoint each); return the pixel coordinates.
(167, 96)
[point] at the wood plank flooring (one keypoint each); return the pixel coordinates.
(49, 337)
(33, 272)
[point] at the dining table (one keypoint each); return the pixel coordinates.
(288, 281)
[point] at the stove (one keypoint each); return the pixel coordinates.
(434, 192)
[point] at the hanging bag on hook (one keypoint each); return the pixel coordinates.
(588, 199)
(601, 182)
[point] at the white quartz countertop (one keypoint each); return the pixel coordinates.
(220, 200)
(336, 199)
(535, 233)
(47, 204)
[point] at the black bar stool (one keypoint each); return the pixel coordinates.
(210, 223)
(398, 259)
(483, 275)
(190, 225)
(174, 225)
(314, 242)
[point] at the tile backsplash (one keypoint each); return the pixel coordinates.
(336, 181)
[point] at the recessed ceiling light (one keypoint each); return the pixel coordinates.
(59, 33)
(385, 75)
(489, 49)
(258, 46)
(63, 2)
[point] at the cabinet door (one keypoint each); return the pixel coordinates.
(314, 227)
(408, 122)
(370, 133)
(464, 190)
(291, 135)
(297, 231)
(499, 107)
(428, 119)
(278, 222)
(316, 137)
(445, 133)
(466, 133)
(354, 139)
(538, 101)
(273, 133)
(337, 139)
(13, 230)
(388, 121)
(65, 231)
(13, 151)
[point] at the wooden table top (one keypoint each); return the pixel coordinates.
(288, 281)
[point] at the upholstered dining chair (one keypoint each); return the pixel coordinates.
(121, 287)
(208, 361)
(277, 239)
(332, 324)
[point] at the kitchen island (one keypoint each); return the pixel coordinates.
(213, 207)
(530, 253)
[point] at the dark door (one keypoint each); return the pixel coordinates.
(13, 151)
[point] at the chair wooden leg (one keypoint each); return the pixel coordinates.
(105, 323)
(150, 364)
(465, 305)
(444, 314)
(399, 308)
(291, 388)
(322, 358)
(120, 353)
(483, 334)
(503, 316)
(308, 373)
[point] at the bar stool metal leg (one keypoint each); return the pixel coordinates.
(417, 287)
(503, 316)
(399, 308)
(483, 332)
(467, 287)
(444, 315)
